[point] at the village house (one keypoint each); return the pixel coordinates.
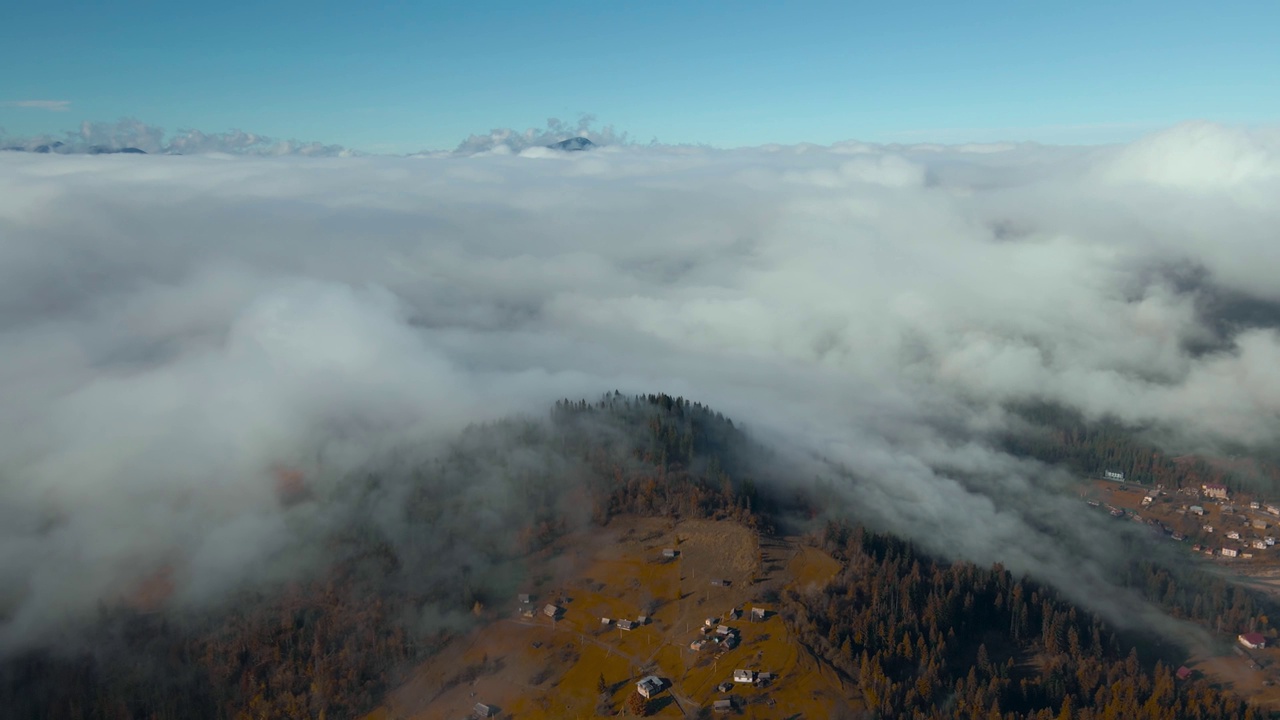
(1229, 552)
(525, 598)
(1260, 544)
(482, 711)
(1214, 490)
(1260, 524)
(649, 686)
(744, 676)
(626, 625)
(1196, 510)
(722, 706)
(1273, 509)
(1233, 535)
(1113, 475)
(758, 614)
(1253, 641)
(1184, 673)
(552, 611)
(670, 552)
(721, 583)
(1254, 505)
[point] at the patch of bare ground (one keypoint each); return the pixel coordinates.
(1252, 674)
(538, 668)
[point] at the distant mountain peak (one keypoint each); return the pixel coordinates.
(104, 150)
(575, 143)
(62, 148)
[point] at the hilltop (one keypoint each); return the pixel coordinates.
(419, 605)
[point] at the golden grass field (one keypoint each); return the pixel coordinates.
(540, 669)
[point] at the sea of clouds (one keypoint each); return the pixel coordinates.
(172, 328)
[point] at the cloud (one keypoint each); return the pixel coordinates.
(174, 328)
(50, 105)
(131, 133)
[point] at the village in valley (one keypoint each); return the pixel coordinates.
(646, 617)
(1235, 531)
(1209, 519)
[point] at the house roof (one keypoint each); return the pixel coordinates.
(1184, 672)
(1253, 638)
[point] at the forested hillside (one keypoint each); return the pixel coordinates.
(420, 547)
(423, 548)
(1060, 436)
(928, 639)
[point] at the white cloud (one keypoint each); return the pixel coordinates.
(174, 326)
(51, 105)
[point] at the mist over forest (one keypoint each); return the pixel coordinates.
(216, 368)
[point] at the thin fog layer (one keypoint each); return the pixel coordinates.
(176, 329)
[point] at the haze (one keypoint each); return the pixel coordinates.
(176, 328)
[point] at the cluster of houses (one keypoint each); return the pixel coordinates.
(528, 609)
(626, 624)
(715, 634)
(1247, 543)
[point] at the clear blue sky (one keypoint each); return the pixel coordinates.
(412, 75)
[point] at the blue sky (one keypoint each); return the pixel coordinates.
(401, 77)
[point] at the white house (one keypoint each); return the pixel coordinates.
(1113, 475)
(744, 676)
(1253, 640)
(649, 686)
(1196, 510)
(1215, 490)
(1229, 552)
(1233, 535)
